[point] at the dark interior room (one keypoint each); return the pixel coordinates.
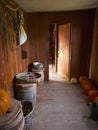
(49, 63)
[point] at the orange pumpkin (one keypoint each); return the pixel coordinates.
(92, 95)
(87, 81)
(95, 100)
(88, 87)
(82, 78)
(5, 102)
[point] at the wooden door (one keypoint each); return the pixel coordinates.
(63, 65)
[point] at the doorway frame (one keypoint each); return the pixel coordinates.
(56, 49)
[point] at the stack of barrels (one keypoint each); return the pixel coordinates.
(25, 90)
(39, 68)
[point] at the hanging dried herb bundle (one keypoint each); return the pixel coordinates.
(3, 32)
(9, 23)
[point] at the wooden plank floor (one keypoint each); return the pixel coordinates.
(62, 106)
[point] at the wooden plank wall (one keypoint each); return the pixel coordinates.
(11, 66)
(11, 62)
(38, 35)
(81, 37)
(94, 54)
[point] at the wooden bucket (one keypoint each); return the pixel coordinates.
(14, 119)
(26, 92)
(28, 112)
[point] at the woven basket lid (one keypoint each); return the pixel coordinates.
(14, 112)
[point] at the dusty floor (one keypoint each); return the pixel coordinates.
(62, 106)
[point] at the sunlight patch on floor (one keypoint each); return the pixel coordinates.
(54, 76)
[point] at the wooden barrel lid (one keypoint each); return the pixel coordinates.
(28, 76)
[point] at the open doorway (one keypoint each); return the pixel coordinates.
(52, 50)
(59, 51)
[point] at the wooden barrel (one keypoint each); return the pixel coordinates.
(13, 119)
(41, 72)
(26, 92)
(27, 77)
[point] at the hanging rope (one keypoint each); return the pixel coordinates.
(11, 5)
(12, 9)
